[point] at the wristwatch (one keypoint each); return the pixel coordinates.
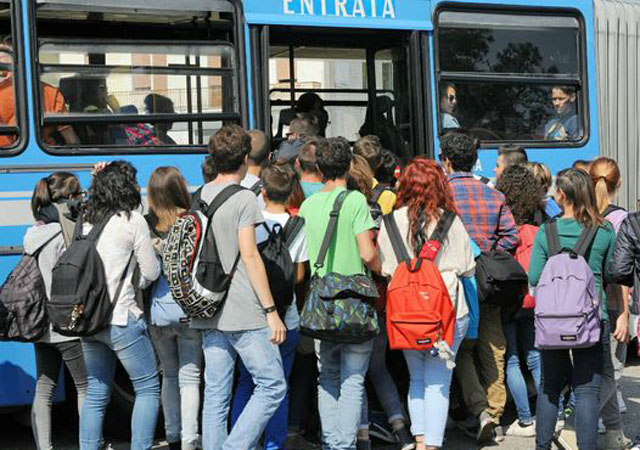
(270, 309)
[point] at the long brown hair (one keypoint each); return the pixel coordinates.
(425, 191)
(56, 186)
(578, 189)
(168, 196)
(605, 175)
(360, 176)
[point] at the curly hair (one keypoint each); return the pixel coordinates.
(114, 189)
(425, 191)
(460, 148)
(522, 193)
(334, 157)
(228, 147)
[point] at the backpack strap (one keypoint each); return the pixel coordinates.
(398, 246)
(291, 230)
(219, 200)
(95, 232)
(47, 242)
(377, 192)
(611, 208)
(553, 239)
(196, 198)
(442, 228)
(584, 241)
(331, 228)
(256, 188)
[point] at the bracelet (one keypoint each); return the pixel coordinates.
(270, 309)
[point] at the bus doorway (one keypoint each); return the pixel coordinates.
(351, 82)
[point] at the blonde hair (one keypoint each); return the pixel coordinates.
(542, 175)
(361, 176)
(605, 175)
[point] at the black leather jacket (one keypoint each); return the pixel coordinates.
(624, 267)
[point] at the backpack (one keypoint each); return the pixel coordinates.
(527, 235)
(339, 308)
(191, 263)
(567, 313)
(501, 280)
(256, 188)
(80, 304)
(419, 309)
(23, 298)
(281, 270)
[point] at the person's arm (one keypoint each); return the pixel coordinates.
(258, 278)
(301, 269)
(621, 329)
(144, 252)
(368, 252)
(69, 135)
(539, 256)
(507, 233)
(622, 265)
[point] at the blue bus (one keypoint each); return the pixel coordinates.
(150, 80)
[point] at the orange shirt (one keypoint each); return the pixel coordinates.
(54, 102)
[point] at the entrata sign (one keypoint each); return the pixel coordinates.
(384, 9)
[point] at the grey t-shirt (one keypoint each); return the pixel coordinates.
(242, 310)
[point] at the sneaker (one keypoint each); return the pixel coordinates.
(601, 428)
(404, 439)
(621, 404)
(498, 434)
(485, 427)
(296, 441)
(566, 439)
(382, 431)
(613, 440)
(560, 424)
(521, 429)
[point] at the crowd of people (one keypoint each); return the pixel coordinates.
(261, 374)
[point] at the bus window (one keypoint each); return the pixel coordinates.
(9, 131)
(172, 82)
(358, 79)
(511, 77)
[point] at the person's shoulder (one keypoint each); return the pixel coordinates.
(355, 199)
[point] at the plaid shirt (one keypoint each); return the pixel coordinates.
(484, 212)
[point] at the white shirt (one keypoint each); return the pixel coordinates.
(120, 237)
(454, 260)
(298, 252)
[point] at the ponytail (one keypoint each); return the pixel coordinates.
(605, 174)
(41, 196)
(602, 194)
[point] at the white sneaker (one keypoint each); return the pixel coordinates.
(517, 428)
(566, 439)
(621, 405)
(613, 440)
(601, 428)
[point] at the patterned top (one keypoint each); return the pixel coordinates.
(484, 212)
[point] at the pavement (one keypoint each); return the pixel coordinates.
(15, 432)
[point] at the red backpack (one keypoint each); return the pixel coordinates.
(419, 309)
(527, 234)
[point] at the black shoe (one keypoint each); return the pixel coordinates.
(175, 446)
(404, 439)
(363, 445)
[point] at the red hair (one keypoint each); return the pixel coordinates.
(424, 189)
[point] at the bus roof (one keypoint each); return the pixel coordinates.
(384, 14)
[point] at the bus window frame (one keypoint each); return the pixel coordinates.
(419, 84)
(583, 84)
(240, 117)
(19, 85)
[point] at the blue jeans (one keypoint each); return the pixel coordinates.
(586, 379)
(179, 350)
(342, 368)
(520, 335)
(429, 386)
(275, 432)
(131, 345)
(262, 360)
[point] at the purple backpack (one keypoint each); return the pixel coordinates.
(567, 313)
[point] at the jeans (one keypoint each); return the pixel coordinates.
(49, 359)
(520, 335)
(179, 350)
(342, 368)
(275, 432)
(586, 379)
(262, 360)
(430, 383)
(131, 345)
(609, 409)
(382, 382)
(482, 384)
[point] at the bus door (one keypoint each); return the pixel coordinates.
(369, 81)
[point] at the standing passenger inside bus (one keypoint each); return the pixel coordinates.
(564, 126)
(53, 102)
(448, 105)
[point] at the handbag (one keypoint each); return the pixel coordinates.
(339, 308)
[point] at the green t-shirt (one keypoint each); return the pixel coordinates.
(569, 231)
(343, 256)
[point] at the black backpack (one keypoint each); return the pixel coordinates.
(501, 279)
(280, 268)
(256, 188)
(23, 298)
(80, 303)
